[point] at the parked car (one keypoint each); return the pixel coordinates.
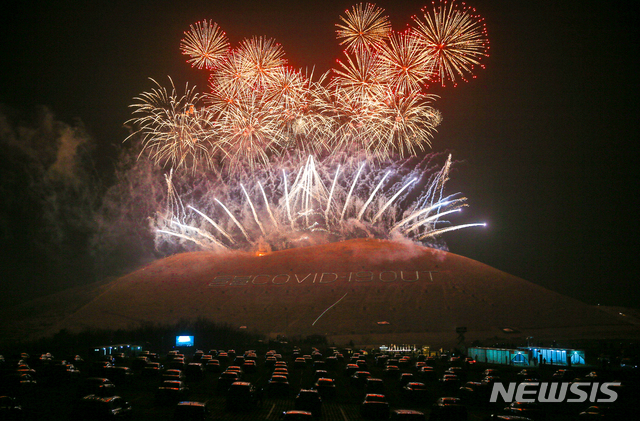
(350, 369)
(98, 386)
(120, 374)
(489, 380)
(139, 363)
(362, 365)
(94, 407)
(213, 366)
(374, 385)
(470, 362)
(527, 375)
(152, 369)
(226, 379)
(242, 395)
(10, 410)
(99, 368)
(176, 363)
(359, 377)
(235, 369)
(475, 393)
(192, 411)
(173, 374)
(605, 413)
(281, 371)
(223, 357)
(375, 406)
(318, 374)
(450, 382)
(407, 415)
(458, 371)
(250, 366)
(60, 371)
(331, 362)
(278, 386)
(532, 410)
(296, 415)
(406, 378)
(309, 400)
(449, 409)
(391, 371)
(17, 383)
(563, 375)
(172, 391)
(194, 372)
(415, 392)
(326, 387)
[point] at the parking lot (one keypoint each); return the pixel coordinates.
(54, 396)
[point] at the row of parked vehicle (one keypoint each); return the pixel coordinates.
(381, 385)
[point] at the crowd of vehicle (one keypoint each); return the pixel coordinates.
(332, 384)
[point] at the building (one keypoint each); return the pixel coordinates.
(528, 356)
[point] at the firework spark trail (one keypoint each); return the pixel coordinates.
(199, 232)
(394, 197)
(253, 210)
(431, 218)
(260, 112)
(266, 202)
(448, 229)
(346, 202)
(371, 196)
(186, 237)
(424, 211)
(286, 196)
(333, 186)
(238, 224)
(308, 207)
(212, 222)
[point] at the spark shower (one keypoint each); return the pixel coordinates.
(279, 157)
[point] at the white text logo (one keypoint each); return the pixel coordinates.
(555, 392)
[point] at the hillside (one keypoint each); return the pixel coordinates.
(369, 291)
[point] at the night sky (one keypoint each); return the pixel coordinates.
(546, 134)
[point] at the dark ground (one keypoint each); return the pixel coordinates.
(53, 399)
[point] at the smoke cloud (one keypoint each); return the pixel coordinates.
(61, 224)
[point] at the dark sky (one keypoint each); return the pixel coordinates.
(547, 132)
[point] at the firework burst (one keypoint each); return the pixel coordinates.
(175, 129)
(263, 123)
(206, 45)
(251, 132)
(315, 203)
(262, 59)
(405, 66)
(364, 28)
(405, 125)
(455, 40)
(359, 75)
